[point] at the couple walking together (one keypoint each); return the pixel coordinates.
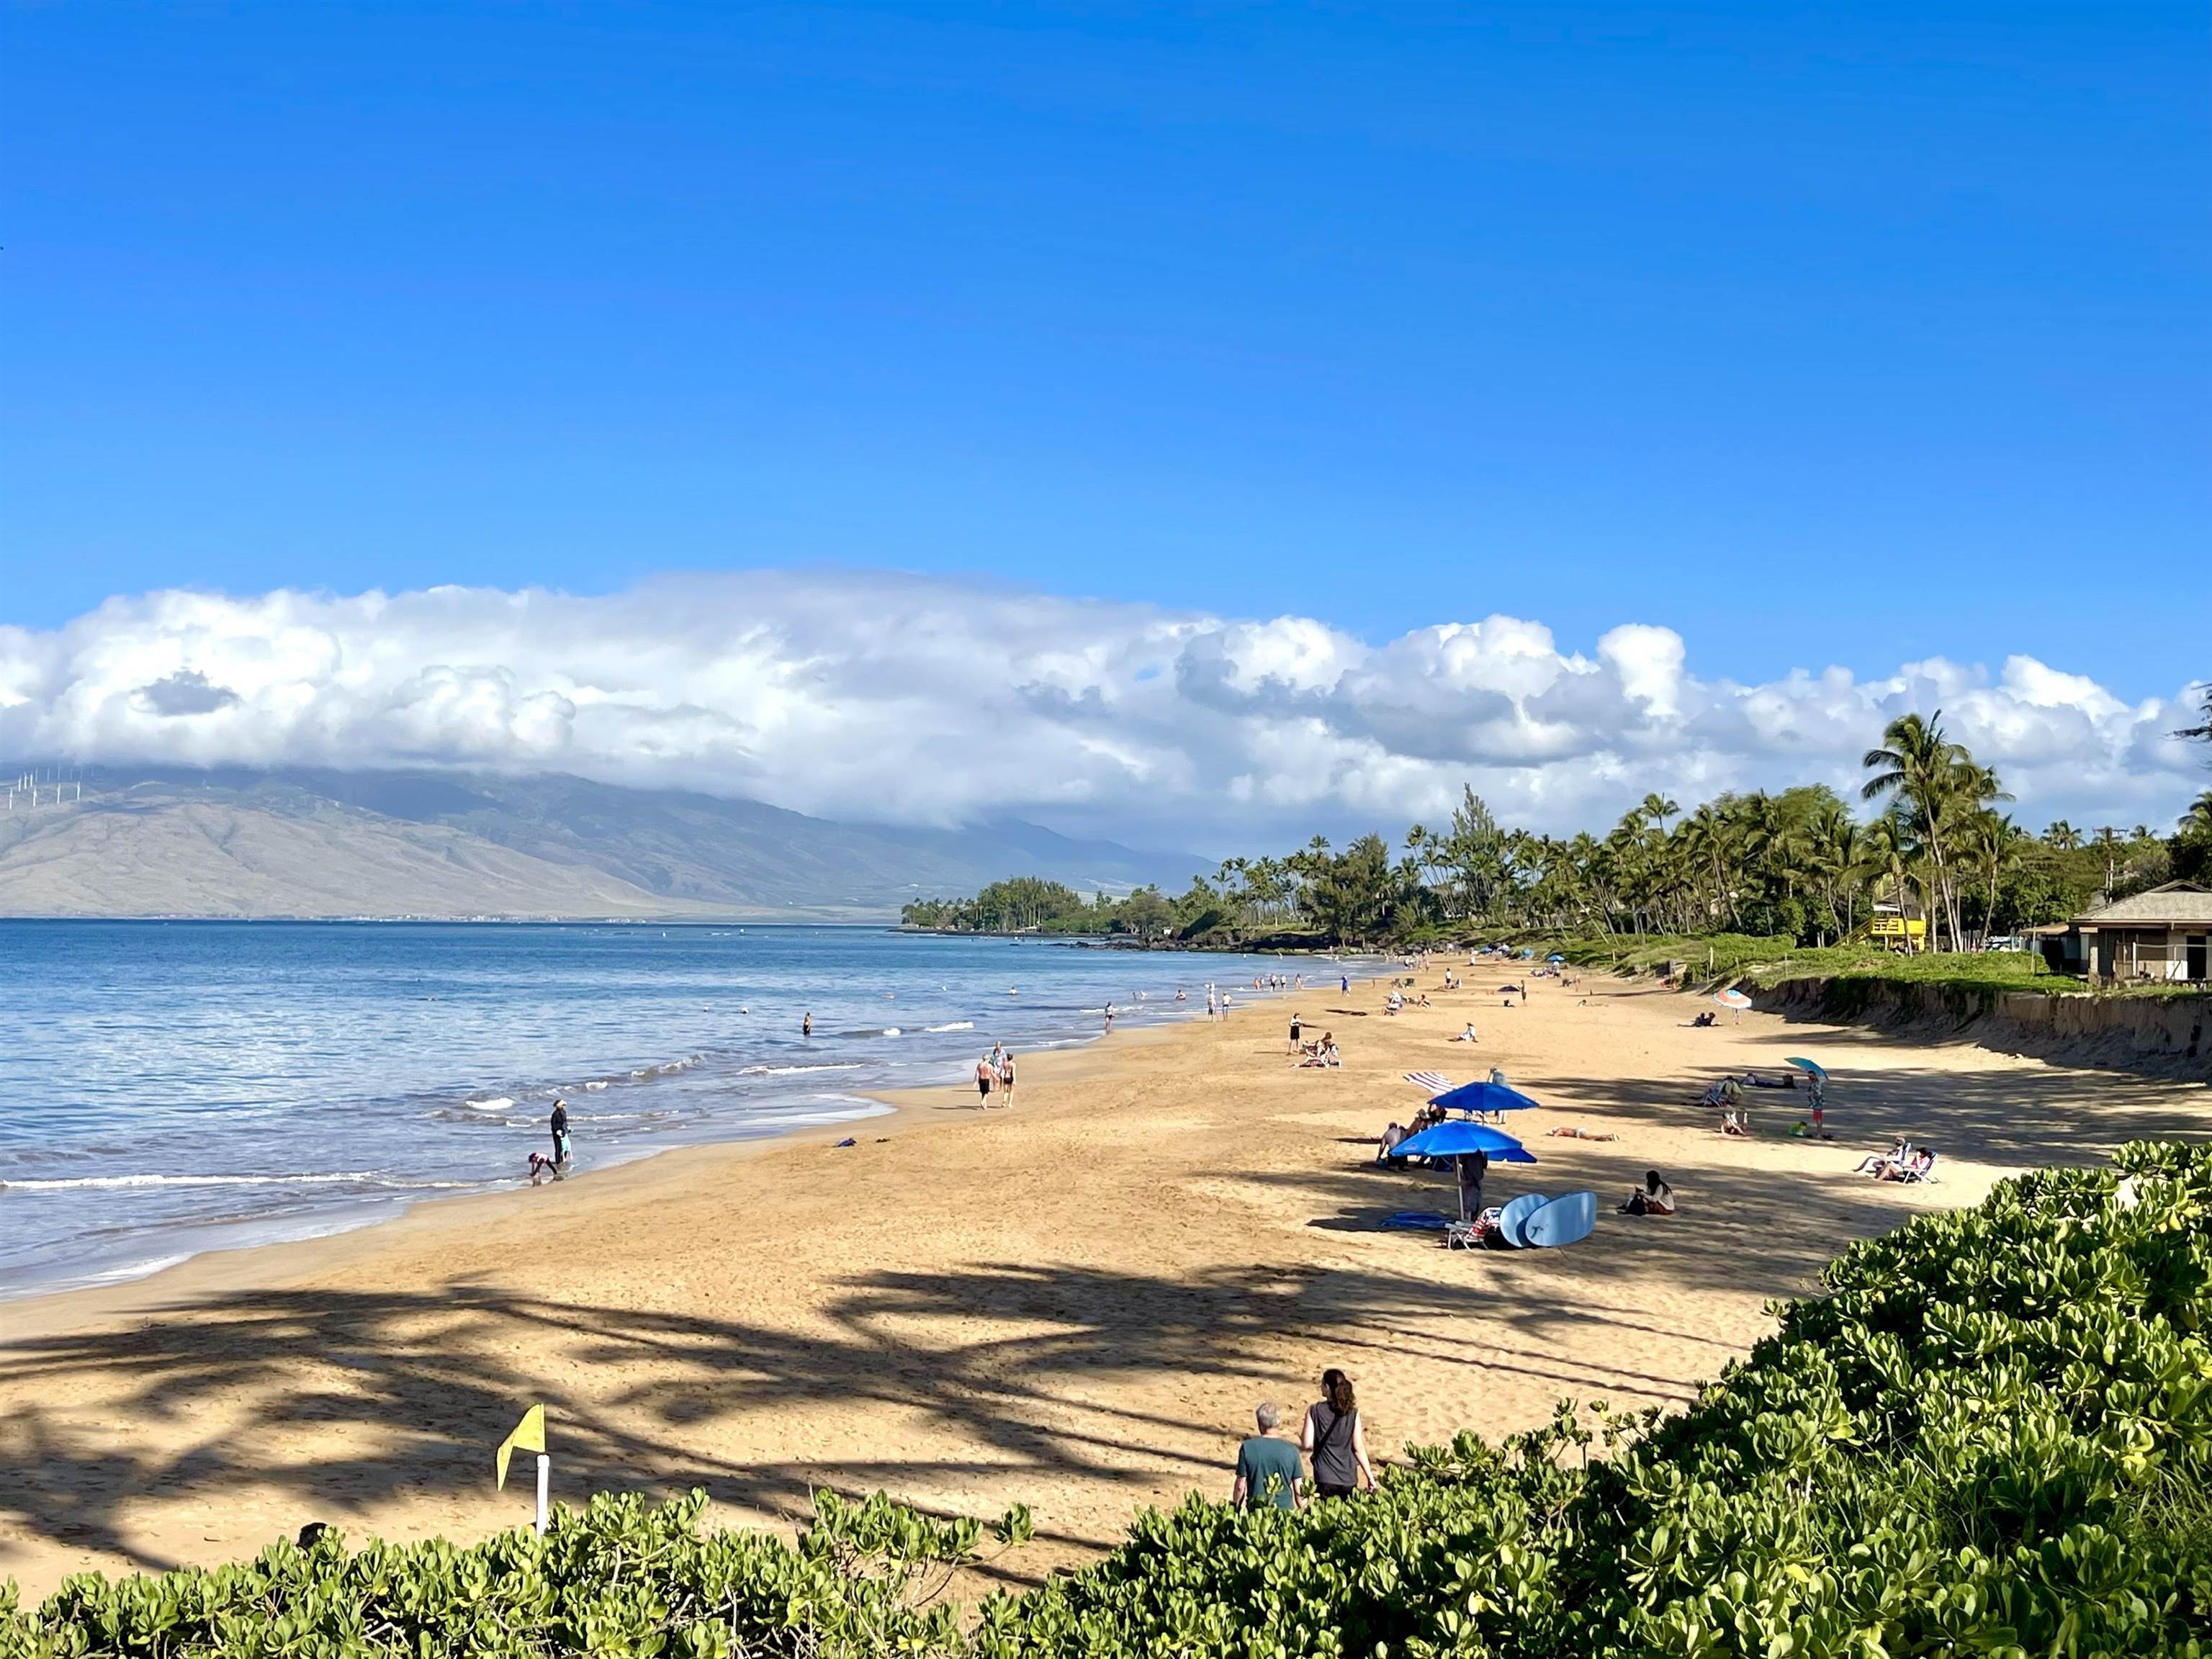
(1268, 1469)
(995, 1070)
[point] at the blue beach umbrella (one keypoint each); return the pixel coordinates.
(1819, 1071)
(1460, 1139)
(1483, 1097)
(1463, 1139)
(1555, 956)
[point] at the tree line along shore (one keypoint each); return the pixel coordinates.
(1939, 866)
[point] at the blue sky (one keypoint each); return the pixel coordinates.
(1819, 334)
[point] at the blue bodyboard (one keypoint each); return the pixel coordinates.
(1515, 1215)
(1563, 1221)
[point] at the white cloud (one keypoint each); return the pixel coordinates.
(879, 696)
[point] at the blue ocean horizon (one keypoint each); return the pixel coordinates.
(179, 1087)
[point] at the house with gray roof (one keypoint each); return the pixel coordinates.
(2156, 935)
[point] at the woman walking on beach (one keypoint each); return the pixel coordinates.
(1334, 1440)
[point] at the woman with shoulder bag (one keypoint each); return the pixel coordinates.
(1334, 1442)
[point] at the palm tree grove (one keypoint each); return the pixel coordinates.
(1927, 856)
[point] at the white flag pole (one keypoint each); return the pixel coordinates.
(544, 1479)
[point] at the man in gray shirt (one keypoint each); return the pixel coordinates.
(1267, 1467)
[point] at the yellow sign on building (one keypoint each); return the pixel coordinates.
(1898, 927)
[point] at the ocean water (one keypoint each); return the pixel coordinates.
(176, 1087)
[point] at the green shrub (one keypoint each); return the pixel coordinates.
(1992, 1436)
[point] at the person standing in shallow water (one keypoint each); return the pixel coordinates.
(1336, 1441)
(806, 1024)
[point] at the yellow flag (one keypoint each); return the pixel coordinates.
(529, 1436)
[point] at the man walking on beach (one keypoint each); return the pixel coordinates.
(1267, 1467)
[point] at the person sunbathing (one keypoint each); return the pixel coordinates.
(1915, 1168)
(1573, 1132)
(1734, 1122)
(1325, 1055)
(1700, 1022)
(1879, 1165)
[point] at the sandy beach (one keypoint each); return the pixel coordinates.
(1074, 1304)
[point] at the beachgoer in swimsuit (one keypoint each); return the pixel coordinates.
(806, 1024)
(1007, 1080)
(983, 1083)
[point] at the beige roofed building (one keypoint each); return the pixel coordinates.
(2157, 935)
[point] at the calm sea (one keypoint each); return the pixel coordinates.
(172, 1088)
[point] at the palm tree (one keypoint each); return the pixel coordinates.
(1888, 858)
(1918, 767)
(2197, 820)
(2200, 733)
(1993, 843)
(2063, 836)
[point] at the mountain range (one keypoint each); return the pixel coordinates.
(312, 842)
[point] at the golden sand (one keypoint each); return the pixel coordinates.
(1074, 1304)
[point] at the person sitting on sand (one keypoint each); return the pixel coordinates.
(1571, 1132)
(1267, 1467)
(1654, 1197)
(1735, 1122)
(1386, 1150)
(1468, 1035)
(1701, 1021)
(1722, 1091)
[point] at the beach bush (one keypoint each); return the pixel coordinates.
(1992, 1435)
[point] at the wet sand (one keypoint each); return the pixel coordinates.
(1075, 1303)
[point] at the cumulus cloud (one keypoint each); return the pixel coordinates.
(878, 696)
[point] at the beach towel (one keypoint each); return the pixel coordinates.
(1417, 1221)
